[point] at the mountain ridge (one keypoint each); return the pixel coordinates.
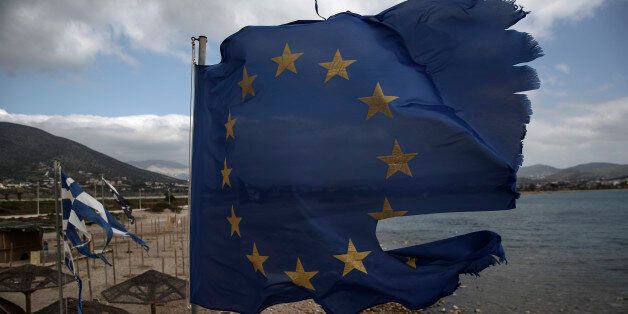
(26, 153)
(583, 172)
(169, 168)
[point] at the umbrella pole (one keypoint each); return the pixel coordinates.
(153, 308)
(57, 170)
(28, 302)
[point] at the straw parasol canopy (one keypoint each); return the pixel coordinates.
(30, 278)
(151, 287)
(89, 307)
(7, 306)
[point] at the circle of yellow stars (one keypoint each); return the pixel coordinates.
(397, 162)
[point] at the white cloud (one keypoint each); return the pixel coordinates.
(66, 34)
(562, 136)
(563, 67)
(546, 14)
(570, 134)
(138, 137)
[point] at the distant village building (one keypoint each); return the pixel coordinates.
(18, 239)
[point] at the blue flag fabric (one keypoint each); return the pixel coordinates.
(307, 134)
(68, 261)
(75, 213)
(79, 206)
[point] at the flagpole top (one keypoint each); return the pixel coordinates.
(202, 49)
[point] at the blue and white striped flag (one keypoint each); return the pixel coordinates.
(74, 227)
(84, 206)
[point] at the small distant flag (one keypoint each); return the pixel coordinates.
(122, 202)
(68, 260)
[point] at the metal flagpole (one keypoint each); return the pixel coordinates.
(57, 170)
(104, 250)
(202, 53)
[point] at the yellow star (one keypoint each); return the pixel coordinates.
(257, 260)
(235, 222)
(229, 126)
(247, 83)
(337, 66)
(397, 161)
(353, 259)
(286, 60)
(411, 262)
(378, 102)
(300, 277)
(225, 174)
(387, 212)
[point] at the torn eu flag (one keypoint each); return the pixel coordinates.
(307, 134)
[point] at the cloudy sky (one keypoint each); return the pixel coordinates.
(114, 75)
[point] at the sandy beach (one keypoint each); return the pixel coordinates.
(166, 231)
(559, 259)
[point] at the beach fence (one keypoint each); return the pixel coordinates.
(167, 238)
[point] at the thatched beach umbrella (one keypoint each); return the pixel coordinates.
(151, 287)
(28, 279)
(7, 306)
(89, 307)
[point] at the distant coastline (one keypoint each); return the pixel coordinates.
(616, 184)
(566, 190)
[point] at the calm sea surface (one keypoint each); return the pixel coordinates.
(567, 251)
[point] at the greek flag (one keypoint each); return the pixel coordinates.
(74, 227)
(69, 264)
(84, 206)
(122, 202)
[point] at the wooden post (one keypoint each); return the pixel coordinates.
(37, 198)
(183, 257)
(176, 266)
(104, 251)
(11, 255)
(128, 247)
(142, 254)
(113, 257)
(28, 302)
(176, 225)
(89, 278)
(157, 241)
(163, 265)
(153, 309)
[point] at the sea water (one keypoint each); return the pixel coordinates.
(567, 251)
